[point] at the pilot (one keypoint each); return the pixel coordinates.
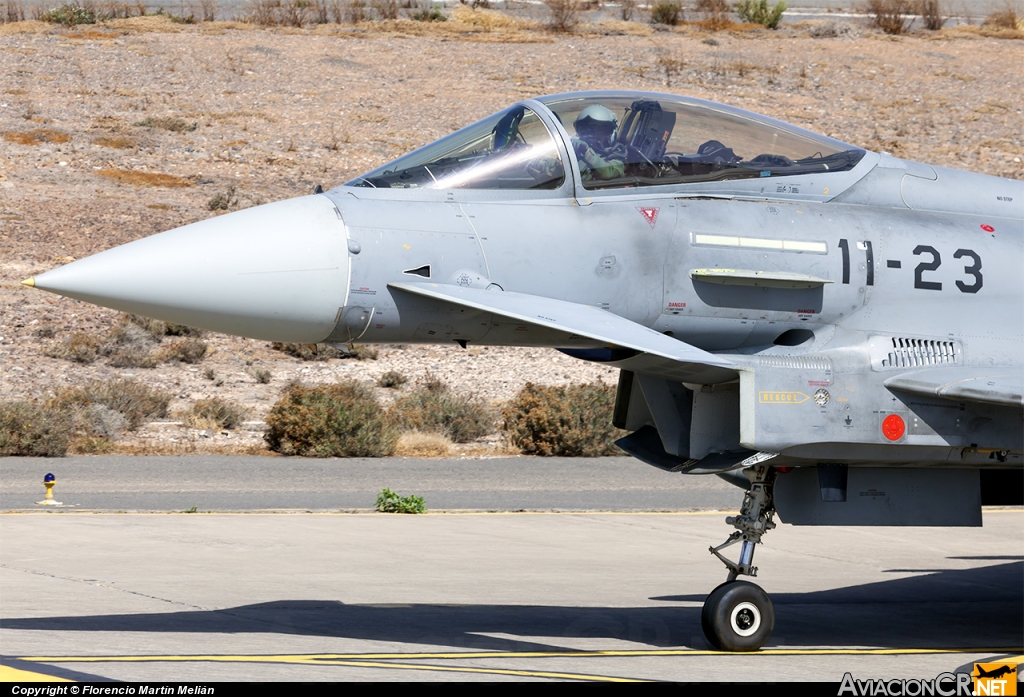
(598, 150)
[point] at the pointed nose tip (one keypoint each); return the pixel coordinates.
(277, 272)
(30, 282)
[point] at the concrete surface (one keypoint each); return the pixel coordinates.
(314, 597)
(226, 483)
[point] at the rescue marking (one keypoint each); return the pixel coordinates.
(782, 397)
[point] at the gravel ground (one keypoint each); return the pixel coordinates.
(255, 115)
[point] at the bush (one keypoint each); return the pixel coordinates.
(324, 352)
(433, 408)
(1003, 19)
(666, 13)
(79, 347)
(758, 12)
(69, 15)
(33, 430)
(393, 379)
(133, 400)
(390, 502)
(129, 345)
(565, 15)
(215, 413)
(891, 16)
(261, 375)
(186, 351)
(570, 421)
(343, 420)
(429, 14)
(931, 14)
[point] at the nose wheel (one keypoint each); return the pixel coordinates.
(738, 615)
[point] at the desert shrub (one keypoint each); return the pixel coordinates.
(715, 9)
(433, 408)
(758, 12)
(168, 123)
(429, 13)
(33, 430)
(324, 352)
(69, 14)
(80, 347)
(891, 16)
(831, 28)
(931, 14)
(223, 201)
(1003, 19)
(215, 413)
(12, 11)
(343, 420)
(354, 12)
(100, 421)
(172, 329)
(392, 378)
(565, 15)
(666, 13)
(185, 351)
(386, 9)
(261, 375)
(573, 420)
(390, 502)
(130, 345)
(209, 9)
(626, 10)
(308, 352)
(133, 400)
(45, 331)
(362, 352)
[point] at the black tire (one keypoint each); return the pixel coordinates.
(705, 613)
(738, 616)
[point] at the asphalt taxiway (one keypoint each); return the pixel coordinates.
(489, 596)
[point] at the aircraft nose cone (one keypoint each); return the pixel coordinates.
(276, 272)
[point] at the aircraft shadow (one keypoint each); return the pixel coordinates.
(974, 608)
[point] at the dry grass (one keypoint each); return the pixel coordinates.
(489, 20)
(963, 31)
(31, 26)
(37, 137)
(615, 27)
(119, 142)
(416, 444)
(123, 176)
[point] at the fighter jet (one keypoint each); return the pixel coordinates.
(836, 331)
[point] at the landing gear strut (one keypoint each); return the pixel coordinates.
(738, 615)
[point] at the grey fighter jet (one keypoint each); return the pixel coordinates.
(836, 331)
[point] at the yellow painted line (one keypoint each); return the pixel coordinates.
(8, 674)
(457, 655)
(488, 671)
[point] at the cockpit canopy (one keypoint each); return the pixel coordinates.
(657, 140)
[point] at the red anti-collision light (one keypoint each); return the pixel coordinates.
(987, 228)
(893, 427)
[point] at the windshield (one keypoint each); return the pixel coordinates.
(624, 140)
(508, 150)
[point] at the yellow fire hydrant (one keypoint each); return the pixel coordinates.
(48, 481)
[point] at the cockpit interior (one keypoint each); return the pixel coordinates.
(658, 140)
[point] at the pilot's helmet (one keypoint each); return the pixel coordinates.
(597, 125)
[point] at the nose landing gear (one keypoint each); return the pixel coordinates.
(738, 615)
